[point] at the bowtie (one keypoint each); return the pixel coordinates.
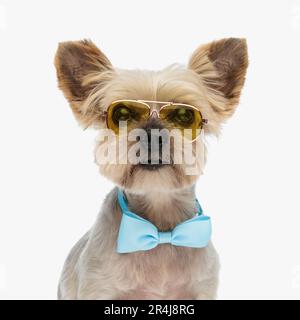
(138, 234)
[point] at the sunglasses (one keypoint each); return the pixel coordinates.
(172, 115)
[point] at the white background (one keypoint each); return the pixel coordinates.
(51, 190)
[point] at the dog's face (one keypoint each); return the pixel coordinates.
(211, 83)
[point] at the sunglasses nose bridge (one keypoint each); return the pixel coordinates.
(154, 114)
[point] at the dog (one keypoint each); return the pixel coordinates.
(161, 194)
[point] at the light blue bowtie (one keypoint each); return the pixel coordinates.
(136, 233)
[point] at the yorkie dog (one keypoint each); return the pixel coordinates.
(151, 239)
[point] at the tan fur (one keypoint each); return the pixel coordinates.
(212, 82)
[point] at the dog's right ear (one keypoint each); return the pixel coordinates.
(81, 67)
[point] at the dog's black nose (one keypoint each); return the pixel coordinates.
(154, 145)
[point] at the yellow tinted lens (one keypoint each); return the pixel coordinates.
(130, 112)
(183, 117)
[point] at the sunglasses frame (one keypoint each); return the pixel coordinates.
(164, 105)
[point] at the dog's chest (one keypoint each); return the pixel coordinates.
(166, 272)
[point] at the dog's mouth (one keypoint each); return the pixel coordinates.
(152, 166)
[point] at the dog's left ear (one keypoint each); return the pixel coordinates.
(222, 66)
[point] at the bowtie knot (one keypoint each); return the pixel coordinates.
(165, 237)
(138, 234)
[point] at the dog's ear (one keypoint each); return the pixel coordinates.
(79, 66)
(222, 65)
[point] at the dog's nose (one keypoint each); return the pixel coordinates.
(155, 141)
(154, 144)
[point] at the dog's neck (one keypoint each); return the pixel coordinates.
(164, 209)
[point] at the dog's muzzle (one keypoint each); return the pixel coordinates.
(156, 146)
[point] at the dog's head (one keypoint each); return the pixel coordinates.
(208, 89)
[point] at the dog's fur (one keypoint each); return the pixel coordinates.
(212, 81)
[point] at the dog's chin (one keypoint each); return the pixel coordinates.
(142, 178)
